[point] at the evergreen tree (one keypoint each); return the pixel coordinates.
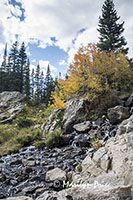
(22, 59)
(3, 70)
(49, 86)
(37, 84)
(26, 80)
(32, 85)
(14, 65)
(9, 75)
(111, 38)
(42, 87)
(14, 70)
(4, 63)
(14, 56)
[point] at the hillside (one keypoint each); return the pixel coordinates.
(71, 148)
(66, 103)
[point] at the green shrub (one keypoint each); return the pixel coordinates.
(60, 114)
(28, 136)
(13, 148)
(96, 143)
(47, 112)
(79, 167)
(24, 140)
(39, 144)
(37, 134)
(24, 122)
(6, 132)
(53, 139)
(1, 139)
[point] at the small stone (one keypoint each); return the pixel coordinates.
(82, 127)
(27, 169)
(30, 163)
(48, 167)
(19, 198)
(56, 174)
(40, 191)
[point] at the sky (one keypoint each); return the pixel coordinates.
(53, 30)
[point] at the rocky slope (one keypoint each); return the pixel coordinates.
(10, 106)
(93, 161)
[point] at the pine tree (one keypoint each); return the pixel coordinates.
(37, 84)
(14, 56)
(14, 70)
(26, 80)
(3, 70)
(32, 85)
(111, 38)
(42, 87)
(22, 59)
(9, 75)
(4, 63)
(49, 86)
(14, 65)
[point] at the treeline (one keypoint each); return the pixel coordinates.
(101, 68)
(94, 70)
(92, 74)
(15, 76)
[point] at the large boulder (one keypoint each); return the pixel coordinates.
(89, 191)
(100, 163)
(129, 101)
(51, 122)
(113, 163)
(117, 114)
(11, 96)
(10, 105)
(126, 126)
(76, 111)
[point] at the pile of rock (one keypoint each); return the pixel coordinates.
(10, 106)
(104, 174)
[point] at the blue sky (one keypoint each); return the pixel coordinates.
(53, 30)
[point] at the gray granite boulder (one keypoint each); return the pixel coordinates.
(89, 191)
(51, 122)
(126, 126)
(76, 111)
(117, 114)
(10, 105)
(83, 127)
(56, 174)
(129, 101)
(11, 96)
(114, 160)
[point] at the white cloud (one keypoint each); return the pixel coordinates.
(60, 19)
(46, 19)
(83, 39)
(1, 58)
(15, 10)
(43, 66)
(33, 61)
(62, 63)
(32, 67)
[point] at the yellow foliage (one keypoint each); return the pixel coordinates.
(93, 72)
(57, 98)
(58, 103)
